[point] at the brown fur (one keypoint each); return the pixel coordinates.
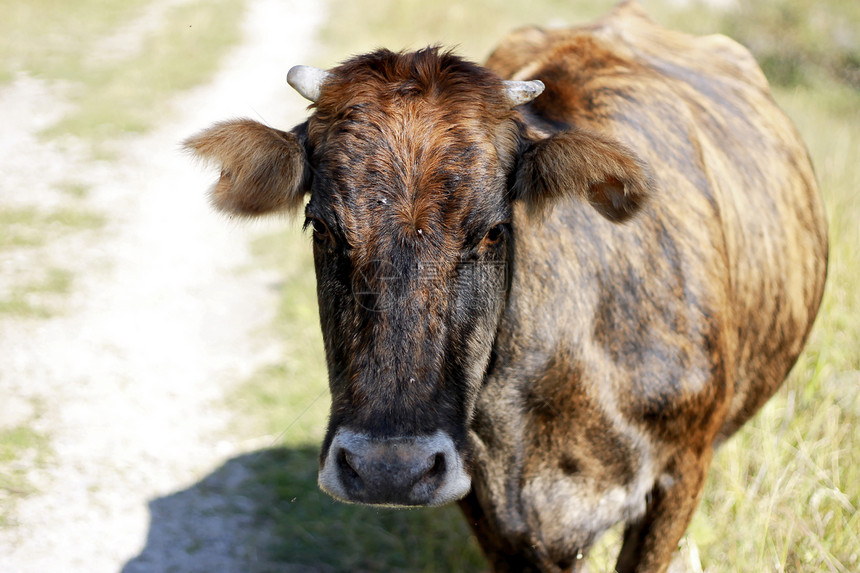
(474, 279)
(595, 167)
(262, 169)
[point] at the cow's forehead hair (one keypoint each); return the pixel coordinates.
(384, 78)
(412, 146)
(404, 186)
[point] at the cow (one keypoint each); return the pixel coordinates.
(548, 286)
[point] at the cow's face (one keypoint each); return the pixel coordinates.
(412, 163)
(412, 232)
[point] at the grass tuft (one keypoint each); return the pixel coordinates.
(16, 444)
(38, 298)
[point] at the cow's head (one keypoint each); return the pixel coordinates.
(413, 163)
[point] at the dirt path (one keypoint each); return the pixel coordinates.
(165, 318)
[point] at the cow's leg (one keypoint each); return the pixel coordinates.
(650, 542)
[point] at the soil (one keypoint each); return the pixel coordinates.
(167, 314)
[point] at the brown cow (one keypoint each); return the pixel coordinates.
(549, 308)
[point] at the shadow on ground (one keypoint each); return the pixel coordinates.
(263, 512)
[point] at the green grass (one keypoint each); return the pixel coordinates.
(40, 291)
(799, 459)
(301, 375)
(131, 94)
(822, 42)
(14, 440)
(74, 189)
(315, 531)
(52, 39)
(473, 28)
(114, 94)
(784, 493)
(40, 297)
(16, 444)
(32, 227)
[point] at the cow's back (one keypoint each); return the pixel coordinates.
(736, 203)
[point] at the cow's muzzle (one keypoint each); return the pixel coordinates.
(424, 470)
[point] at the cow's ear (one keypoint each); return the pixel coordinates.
(583, 163)
(263, 170)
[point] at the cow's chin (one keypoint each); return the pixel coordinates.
(395, 472)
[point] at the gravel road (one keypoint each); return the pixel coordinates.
(167, 314)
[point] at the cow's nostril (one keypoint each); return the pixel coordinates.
(346, 466)
(438, 467)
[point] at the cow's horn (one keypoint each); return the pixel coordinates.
(522, 92)
(307, 80)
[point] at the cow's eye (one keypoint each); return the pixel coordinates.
(320, 229)
(495, 235)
